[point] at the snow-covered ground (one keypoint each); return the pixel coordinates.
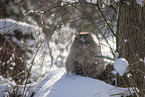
(8, 26)
(60, 84)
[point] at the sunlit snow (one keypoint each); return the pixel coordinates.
(59, 84)
(140, 2)
(120, 65)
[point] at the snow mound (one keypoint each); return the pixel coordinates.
(59, 84)
(3, 89)
(9, 25)
(121, 65)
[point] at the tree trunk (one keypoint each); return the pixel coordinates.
(131, 39)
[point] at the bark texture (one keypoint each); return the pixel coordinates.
(131, 42)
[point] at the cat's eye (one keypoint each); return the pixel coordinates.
(80, 41)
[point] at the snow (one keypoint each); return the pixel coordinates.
(116, 54)
(29, 89)
(3, 89)
(9, 25)
(114, 72)
(141, 59)
(7, 86)
(33, 34)
(59, 84)
(121, 65)
(129, 75)
(127, 2)
(140, 2)
(96, 62)
(125, 40)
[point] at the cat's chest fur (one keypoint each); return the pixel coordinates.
(84, 56)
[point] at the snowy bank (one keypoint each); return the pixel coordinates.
(9, 25)
(59, 84)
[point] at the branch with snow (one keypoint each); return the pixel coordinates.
(121, 65)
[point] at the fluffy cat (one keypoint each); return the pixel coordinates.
(82, 58)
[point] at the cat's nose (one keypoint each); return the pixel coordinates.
(84, 45)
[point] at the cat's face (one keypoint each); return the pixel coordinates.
(83, 40)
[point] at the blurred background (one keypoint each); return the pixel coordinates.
(35, 35)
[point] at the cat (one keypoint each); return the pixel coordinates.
(82, 58)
